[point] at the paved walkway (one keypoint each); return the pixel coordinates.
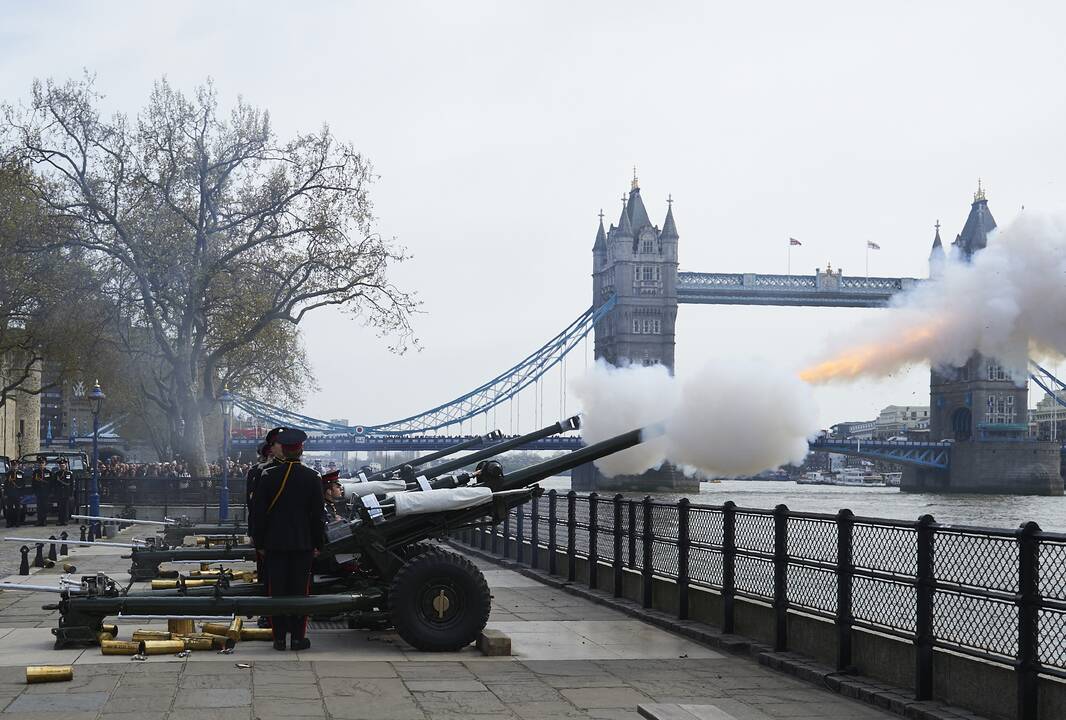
(572, 659)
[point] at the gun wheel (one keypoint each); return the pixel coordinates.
(439, 601)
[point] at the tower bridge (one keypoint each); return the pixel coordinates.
(636, 290)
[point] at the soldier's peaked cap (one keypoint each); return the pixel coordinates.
(272, 434)
(291, 436)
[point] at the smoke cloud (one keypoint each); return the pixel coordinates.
(715, 424)
(1006, 304)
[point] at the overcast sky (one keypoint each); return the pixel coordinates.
(499, 130)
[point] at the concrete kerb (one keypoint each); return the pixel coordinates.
(870, 692)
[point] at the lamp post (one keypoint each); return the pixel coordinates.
(96, 398)
(225, 400)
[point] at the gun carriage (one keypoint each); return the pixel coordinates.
(386, 572)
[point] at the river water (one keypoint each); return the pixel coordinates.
(998, 511)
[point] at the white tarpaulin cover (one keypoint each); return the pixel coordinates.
(376, 487)
(427, 501)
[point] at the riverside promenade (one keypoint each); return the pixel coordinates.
(571, 658)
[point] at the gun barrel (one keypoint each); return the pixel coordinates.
(450, 450)
(570, 423)
(31, 588)
(225, 605)
(540, 471)
(126, 521)
(78, 543)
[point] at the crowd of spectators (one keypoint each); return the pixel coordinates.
(117, 468)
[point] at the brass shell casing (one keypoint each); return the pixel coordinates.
(109, 629)
(257, 634)
(119, 647)
(103, 637)
(69, 569)
(215, 628)
(181, 627)
(234, 631)
(49, 673)
(199, 642)
(205, 566)
(151, 635)
(163, 647)
(164, 584)
(218, 642)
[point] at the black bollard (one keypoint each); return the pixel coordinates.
(24, 566)
(52, 549)
(38, 559)
(83, 533)
(91, 537)
(63, 547)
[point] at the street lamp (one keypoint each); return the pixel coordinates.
(96, 399)
(226, 401)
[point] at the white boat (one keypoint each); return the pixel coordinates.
(893, 479)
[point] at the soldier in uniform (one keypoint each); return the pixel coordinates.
(14, 487)
(42, 482)
(288, 530)
(63, 491)
(334, 493)
(266, 457)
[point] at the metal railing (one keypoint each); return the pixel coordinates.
(991, 594)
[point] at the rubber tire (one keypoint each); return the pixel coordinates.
(415, 582)
(409, 552)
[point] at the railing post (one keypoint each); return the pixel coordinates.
(632, 534)
(553, 520)
(682, 558)
(534, 533)
(1027, 665)
(483, 538)
(923, 629)
(507, 535)
(647, 569)
(845, 543)
(494, 539)
(729, 565)
(781, 578)
(619, 572)
(571, 536)
(594, 552)
(519, 550)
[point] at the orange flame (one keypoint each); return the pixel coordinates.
(862, 359)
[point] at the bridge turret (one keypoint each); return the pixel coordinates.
(937, 257)
(639, 267)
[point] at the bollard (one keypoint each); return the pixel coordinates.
(52, 549)
(63, 547)
(82, 533)
(24, 566)
(91, 537)
(38, 559)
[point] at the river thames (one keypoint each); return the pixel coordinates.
(999, 511)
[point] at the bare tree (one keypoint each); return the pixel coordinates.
(209, 229)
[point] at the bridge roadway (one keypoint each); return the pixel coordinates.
(823, 289)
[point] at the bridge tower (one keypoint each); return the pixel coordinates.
(978, 405)
(637, 263)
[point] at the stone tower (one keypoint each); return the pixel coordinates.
(980, 408)
(978, 400)
(637, 263)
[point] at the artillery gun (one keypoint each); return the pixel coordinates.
(145, 563)
(178, 529)
(436, 600)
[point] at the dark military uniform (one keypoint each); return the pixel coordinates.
(63, 492)
(287, 527)
(14, 488)
(42, 488)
